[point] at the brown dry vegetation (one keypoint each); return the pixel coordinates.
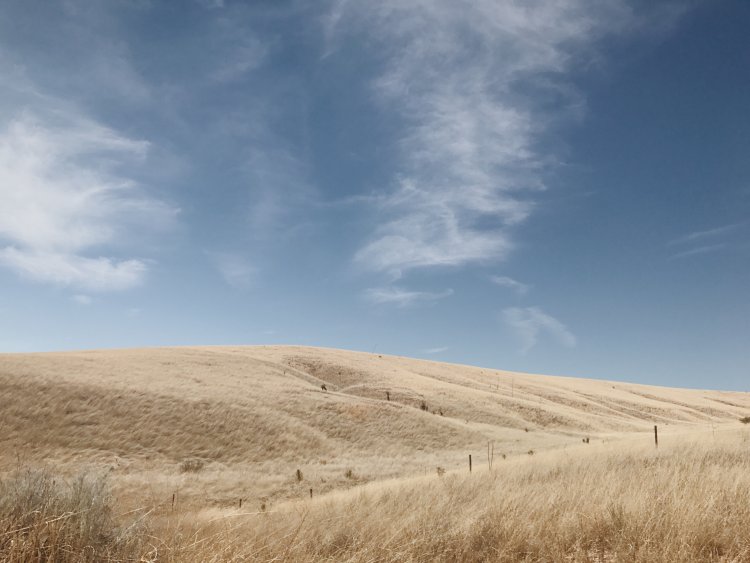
(688, 501)
(215, 425)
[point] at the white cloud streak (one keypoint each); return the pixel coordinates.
(82, 300)
(471, 81)
(530, 323)
(93, 274)
(236, 270)
(707, 241)
(515, 285)
(240, 52)
(705, 249)
(707, 234)
(64, 197)
(402, 297)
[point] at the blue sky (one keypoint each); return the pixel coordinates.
(552, 186)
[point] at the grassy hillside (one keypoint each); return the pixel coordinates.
(174, 439)
(687, 501)
(214, 425)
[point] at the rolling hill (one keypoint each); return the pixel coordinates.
(215, 424)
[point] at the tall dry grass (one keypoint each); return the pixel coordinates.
(687, 502)
(46, 518)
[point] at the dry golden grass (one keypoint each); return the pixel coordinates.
(252, 416)
(216, 425)
(689, 501)
(45, 518)
(686, 501)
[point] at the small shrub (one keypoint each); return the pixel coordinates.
(46, 518)
(349, 474)
(530, 452)
(440, 471)
(745, 420)
(191, 465)
(424, 406)
(298, 475)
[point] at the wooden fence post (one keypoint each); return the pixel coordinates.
(469, 463)
(173, 496)
(656, 436)
(310, 493)
(240, 503)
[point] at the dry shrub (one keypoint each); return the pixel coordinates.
(745, 420)
(44, 518)
(191, 465)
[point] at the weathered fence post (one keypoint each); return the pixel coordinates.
(656, 436)
(240, 503)
(173, 496)
(469, 463)
(310, 493)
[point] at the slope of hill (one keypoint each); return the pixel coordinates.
(216, 424)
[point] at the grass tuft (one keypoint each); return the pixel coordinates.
(191, 465)
(46, 518)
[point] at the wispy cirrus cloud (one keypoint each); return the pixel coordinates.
(471, 84)
(236, 49)
(402, 297)
(703, 249)
(707, 241)
(65, 197)
(236, 269)
(80, 299)
(74, 209)
(530, 323)
(437, 350)
(708, 234)
(504, 281)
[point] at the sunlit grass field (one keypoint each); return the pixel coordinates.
(146, 455)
